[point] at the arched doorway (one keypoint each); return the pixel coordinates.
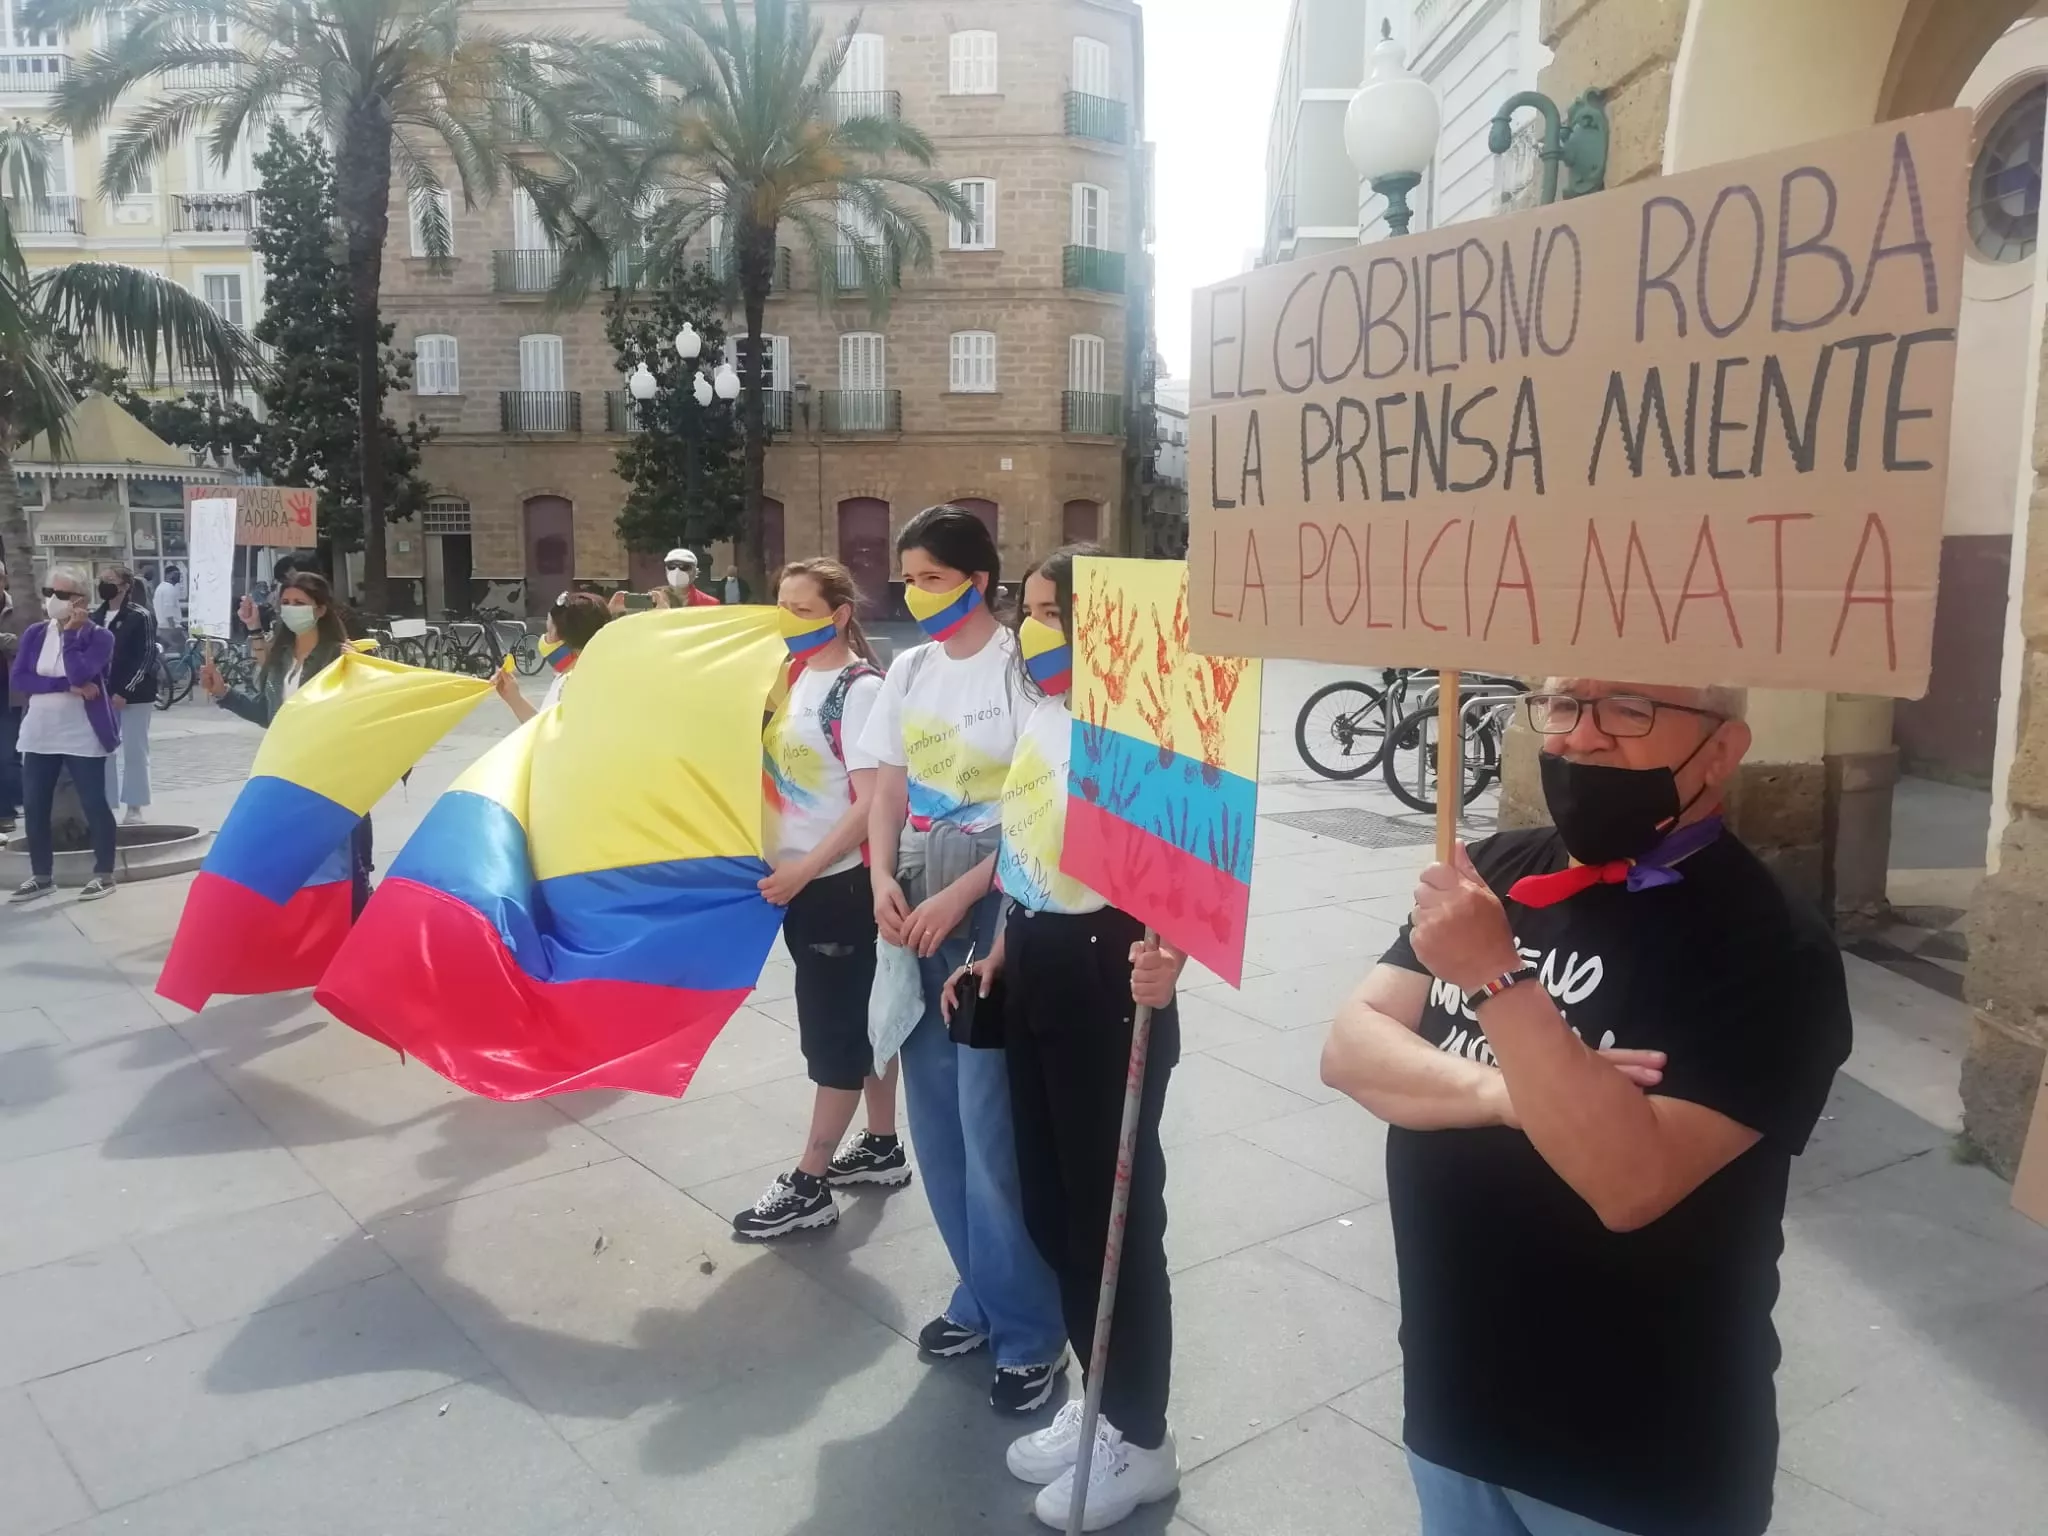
(1081, 522)
(864, 550)
(550, 549)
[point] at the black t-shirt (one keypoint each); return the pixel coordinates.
(1625, 1377)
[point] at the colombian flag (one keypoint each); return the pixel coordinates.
(1163, 786)
(940, 614)
(270, 906)
(580, 909)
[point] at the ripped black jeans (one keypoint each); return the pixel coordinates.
(830, 931)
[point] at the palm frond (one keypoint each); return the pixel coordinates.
(142, 315)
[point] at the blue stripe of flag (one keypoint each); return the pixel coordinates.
(1180, 799)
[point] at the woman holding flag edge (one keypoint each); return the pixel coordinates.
(818, 784)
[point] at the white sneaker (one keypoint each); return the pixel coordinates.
(134, 816)
(1120, 1478)
(1040, 1457)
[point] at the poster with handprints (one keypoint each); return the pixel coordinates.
(1164, 782)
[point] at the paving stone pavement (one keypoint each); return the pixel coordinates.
(259, 1278)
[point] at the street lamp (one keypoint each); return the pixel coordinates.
(642, 384)
(725, 383)
(700, 387)
(1391, 128)
(1575, 139)
(689, 345)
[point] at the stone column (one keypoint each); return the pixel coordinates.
(2007, 982)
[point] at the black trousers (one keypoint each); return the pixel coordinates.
(1069, 1046)
(830, 930)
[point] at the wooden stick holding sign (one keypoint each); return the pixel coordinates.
(1450, 764)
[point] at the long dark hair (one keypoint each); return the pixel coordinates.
(956, 538)
(1057, 568)
(835, 585)
(330, 629)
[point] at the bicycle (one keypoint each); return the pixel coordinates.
(525, 649)
(471, 649)
(1410, 764)
(1353, 718)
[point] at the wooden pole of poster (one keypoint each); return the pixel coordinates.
(1450, 764)
(1112, 1258)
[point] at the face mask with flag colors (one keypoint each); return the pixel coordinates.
(556, 653)
(1047, 656)
(805, 635)
(940, 614)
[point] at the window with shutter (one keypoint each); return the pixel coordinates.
(978, 231)
(1091, 217)
(1091, 68)
(223, 294)
(864, 63)
(776, 349)
(862, 364)
(528, 233)
(973, 58)
(974, 362)
(421, 201)
(540, 362)
(1085, 370)
(435, 370)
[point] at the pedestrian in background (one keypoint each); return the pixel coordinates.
(12, 616)
(167, 603)
(69, 728)
(133, 674)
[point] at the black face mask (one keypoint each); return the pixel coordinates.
(109, 590)
(1604, 814)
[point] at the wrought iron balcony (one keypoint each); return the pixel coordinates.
(540, 410)
(31, 71)
(860, 412)
(1084, 266)
(45, 215)
(847, 104)
(848, 257)
(213, 213)
(1098, 117)
(621, 411)
(528, 271)
(1091, 414)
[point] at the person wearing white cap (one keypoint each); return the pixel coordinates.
(682, 590)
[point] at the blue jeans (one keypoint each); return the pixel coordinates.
(1456, 1505)
(959, 1105)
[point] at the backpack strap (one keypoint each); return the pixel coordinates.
(832, 713)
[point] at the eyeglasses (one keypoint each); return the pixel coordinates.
(1620, 715)
(56, 592)
(679, 566)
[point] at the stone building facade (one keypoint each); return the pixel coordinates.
(1011, 374)
(1693, 82)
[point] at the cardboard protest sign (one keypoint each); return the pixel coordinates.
(1693, 430)
(268, 516)
(1163, 779)
(210, 563)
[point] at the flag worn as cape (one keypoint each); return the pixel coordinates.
(1163, 784)
(580, 909)
(270, 905)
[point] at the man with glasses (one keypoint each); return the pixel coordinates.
(1598, 1047)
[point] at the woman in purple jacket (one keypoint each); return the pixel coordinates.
(69, 726)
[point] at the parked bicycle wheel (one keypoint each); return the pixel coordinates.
(1410, 765)
(1341, 731)
(162, 670)
(526, 653)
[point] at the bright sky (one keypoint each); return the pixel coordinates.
(1210, 70)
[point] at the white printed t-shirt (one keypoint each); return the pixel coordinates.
(952, 726)
(808, 788)
(1035, 816)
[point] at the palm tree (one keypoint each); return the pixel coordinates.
(103, 308)
(394, 86)
(730, 123)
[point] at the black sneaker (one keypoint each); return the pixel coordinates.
(30, 890)
(793, 1202)
(943, 1338)
(869, 1159)
(1025, 1388)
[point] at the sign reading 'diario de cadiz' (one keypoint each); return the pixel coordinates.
(1690, 431)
